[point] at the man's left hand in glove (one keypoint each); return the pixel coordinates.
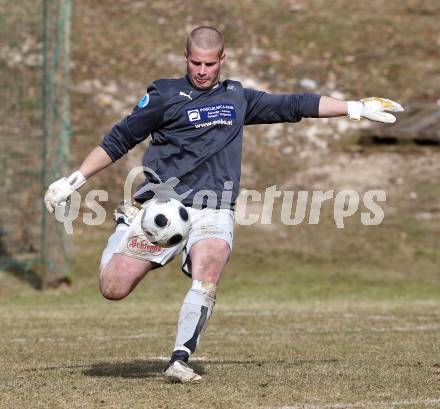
(373, 109)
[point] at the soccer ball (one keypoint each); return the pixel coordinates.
(165, 222)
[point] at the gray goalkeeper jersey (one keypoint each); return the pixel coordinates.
(197, 135)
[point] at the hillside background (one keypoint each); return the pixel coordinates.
(346, 49)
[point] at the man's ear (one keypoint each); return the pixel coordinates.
(222, 58)
(186, 54)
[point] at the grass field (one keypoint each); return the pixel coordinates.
(71, 348)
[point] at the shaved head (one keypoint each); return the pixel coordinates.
(206, 38)
(204, 55)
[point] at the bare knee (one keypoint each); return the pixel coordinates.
(117, 280)
(110, 287)
(210, 262)
(113, 294)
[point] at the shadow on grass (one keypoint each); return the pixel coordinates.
(149, 368)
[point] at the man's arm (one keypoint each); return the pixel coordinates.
(97, 160)
(264, 108)
(330, 107)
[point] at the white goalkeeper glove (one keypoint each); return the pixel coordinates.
(373, 109)
(58, 193)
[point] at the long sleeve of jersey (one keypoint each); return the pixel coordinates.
(133, 129)
(264, 108)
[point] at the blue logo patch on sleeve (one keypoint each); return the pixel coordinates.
(143, 102)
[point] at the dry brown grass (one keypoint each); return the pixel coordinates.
(65, 351)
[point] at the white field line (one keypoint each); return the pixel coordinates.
(80, 338)
(420, 328)
(167, 358)
(366, 404)
(282, 314)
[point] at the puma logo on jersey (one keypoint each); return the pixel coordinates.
(181, 93)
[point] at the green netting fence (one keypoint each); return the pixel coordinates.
(35, 133)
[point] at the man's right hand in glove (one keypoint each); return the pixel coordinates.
(58, 193)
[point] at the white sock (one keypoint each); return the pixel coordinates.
(194, 314)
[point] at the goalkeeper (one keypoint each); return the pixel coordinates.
(196, 124)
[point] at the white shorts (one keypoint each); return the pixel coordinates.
(206, 224)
